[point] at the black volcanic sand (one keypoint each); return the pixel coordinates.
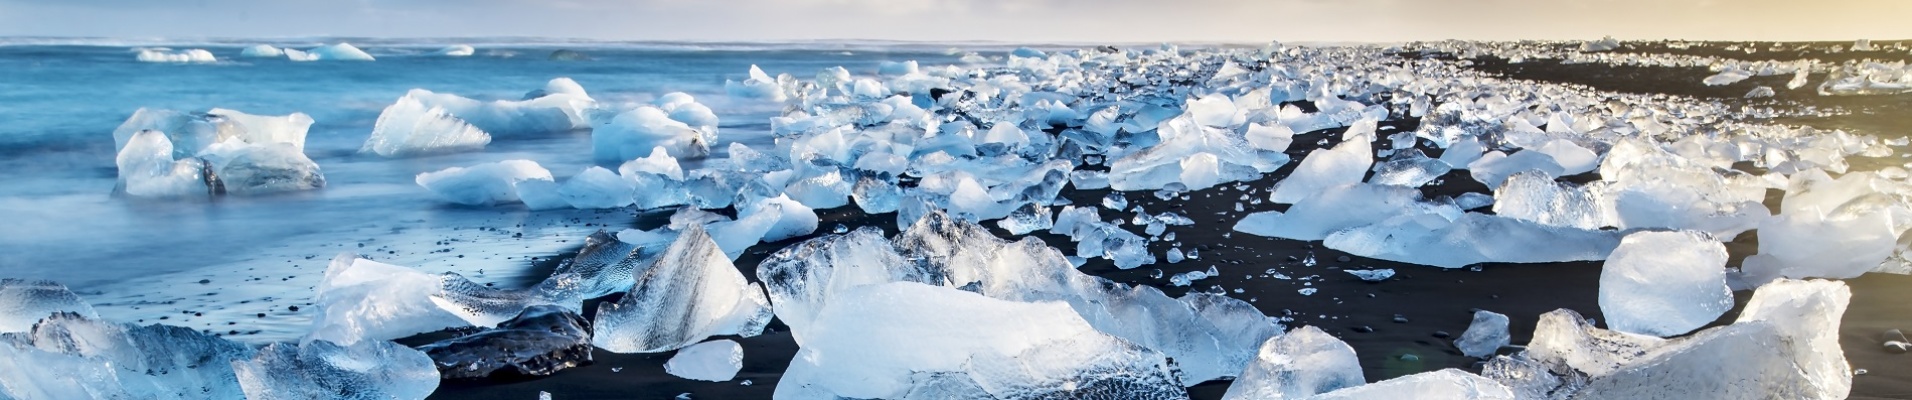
(1437, 303)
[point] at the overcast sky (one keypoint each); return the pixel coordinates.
(1002, 20)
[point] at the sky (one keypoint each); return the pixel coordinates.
(1032, 21)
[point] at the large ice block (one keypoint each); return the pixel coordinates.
(715, 361)
(1300, 364)
(1664, 283)
(318, 369)
(482, 184)
(409, 127)
(690, 293)
(361, 299)
(24, 302)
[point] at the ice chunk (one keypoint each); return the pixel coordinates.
(1446, 384)
(147, 169)
(539, 195)
(560, 106)
(1572, 159)
(883, 340)
(338, 52)
(1215, 110)
(1346, 163)
(1533, 195)
(1275, 137)
(1760, 92)
(1371, 275)
(23, 302)
(597, 187)
(793, 218)
(1494, 168)
(876, 196)
(824, 191)
(1028, 218)
(1410, 168)
(1485, 335)
(482, 184)
(1604, 44)
(1302, 363)
(456, 50)
(318, 369)
(262, 51)
(759, 86)
(1336, 208)
(69, 356)
(361, 299)
(1429, 239)
(408, 127)
(1664, 283)
(181, 56)
(632, 134)
(1472, 201)
(262, 168)
(541, 341)
(1463, 152)
(1727, 77)
(803, 278)
(715, 361)
(690, 293)
(559, 86)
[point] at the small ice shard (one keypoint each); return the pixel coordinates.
(1371, 275)
(361, 299)
(1300, 364)
(1760, 92)
(1346, 163)
(482, 184)
(714, 361)
(597, 187)
(876, 196)
(338, 52)
(1028, 218)
(408, 128)
(910, 340)
(1533, 195)
(69, 356)
(1664, 283)
(793, 218)
(1485, 335)
(538, 342)
(318, 369)
(456, 50)
(258, 129)
(1115, 201)
(24, 302)
(1446, 384)
(262, 51)
(181, 56)
(147, 169)
(690, 293)
(1473, 201)
(632, 134)
(759, 86)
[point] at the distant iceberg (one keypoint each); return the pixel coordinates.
(262, 51)
(456, 50)
(182, 56)
(336, 52)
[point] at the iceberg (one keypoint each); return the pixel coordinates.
(691, 292)
(456, 50)
(261, 51)
(482, 184)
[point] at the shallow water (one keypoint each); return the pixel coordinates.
(140, 259)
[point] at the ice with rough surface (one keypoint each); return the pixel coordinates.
(1028, 218)
(361, 299)
(1534, 196)
(1300, 364)
(1664, 283)
(1446, 384)
(482, 184)
(181, 56)
(714, 361)
(541, 341)
(318, 369)
(147, 169)
(70, 356)
(408, 127)
(632, 134)
(691, 292)
(1410, 168)
(1371, 275)
(24, 302)
(1485, 335)
(910, 340)
(1346, 163)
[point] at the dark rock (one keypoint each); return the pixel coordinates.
(540, 341)
(1442, 334)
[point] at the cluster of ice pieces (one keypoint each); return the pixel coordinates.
(166, 153)
(165, 55)
(67, 353)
